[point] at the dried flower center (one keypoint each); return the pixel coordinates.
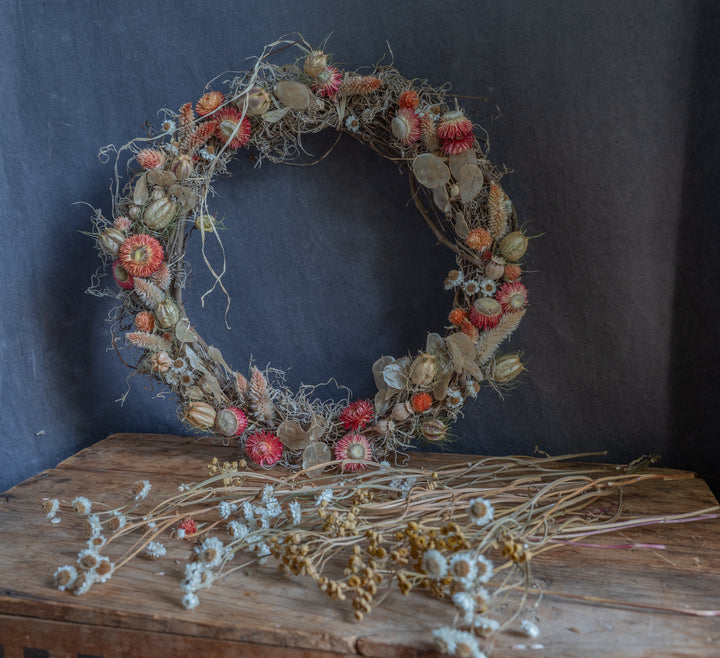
(228, 128)
(139, 254)
(478, 509)
(104, 568)
(461, 568)
(63, 578)
(89, 561)
(356, 451)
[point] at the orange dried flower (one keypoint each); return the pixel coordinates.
(421, 402)
(512, 272)
(469, 329)
(186, 115)
(201, 134)
(359, 85)
(209, 102)
(478, 239)
(150, 159)
(145, 321)
(457, 316)
(409, 99)
(141, 255)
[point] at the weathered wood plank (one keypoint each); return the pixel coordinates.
(263, 607)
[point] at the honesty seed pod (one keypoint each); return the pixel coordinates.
(167, 314)
(159, 213)
(507, 367)
(514, 245)
(200, 415)
(423, 370)
(110, 240)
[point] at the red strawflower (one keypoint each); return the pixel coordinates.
(264, 448)
(228, 120)
(357, 414)
(353, 446)
(421, 402)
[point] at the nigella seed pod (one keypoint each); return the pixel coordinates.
(110, 240)
(159, 214)
(200, 415)
(434, 430)
(183, 166)
(255, 102)
(506, 368)
(423, 370)
(167, 314)
(230, 421)
(134, 212)
(514, 245)
(205, 223)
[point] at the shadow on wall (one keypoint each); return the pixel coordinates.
(695, 385)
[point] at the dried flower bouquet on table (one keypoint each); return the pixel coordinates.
(268, 110)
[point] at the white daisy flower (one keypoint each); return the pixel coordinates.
(481, 511)
(454, 279)
(141, 489)
(88, 559)
(463, 568)
(65, 577)
(488, 287)
(471, 287)
(224, 509)
(155, 550)
(453, 398)
(352, 123)
(84, 582)
(93, 527)
(485, 626)
(295, 512)
(51, 507)
(168, 126)
(172, 149)
(484, 569)
(466, 604)
(435, 564)
(190, 601)
(325, 496)
(82, 505)
(204, 153)
(466, 644)
(238, 530)
(444, 640)
(210, 551)
(268, 493)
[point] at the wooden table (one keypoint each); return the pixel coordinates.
(265, 613)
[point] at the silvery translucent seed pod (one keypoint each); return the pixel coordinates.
(507, 367)
(167, 314)
(200, 415)
(423, 370)
(110, 240)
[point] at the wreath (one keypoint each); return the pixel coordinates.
(267, 111)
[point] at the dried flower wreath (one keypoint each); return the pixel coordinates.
(268, 109)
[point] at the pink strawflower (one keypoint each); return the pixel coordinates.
(357, 414)
(328, 82)
(264, 448)
(355, 447)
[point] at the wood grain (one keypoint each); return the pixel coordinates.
(264, 611)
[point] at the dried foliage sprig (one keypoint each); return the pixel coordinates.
(466, 533)
(268, 110)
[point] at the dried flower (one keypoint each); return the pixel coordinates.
(357, 414)
(352, 123)
(421, 402)
(409, 99)
(141, 489)
(457, 316)
(187, 527)
(471, 287)
(122, 277)
(529, 628)
(65, 577)
(141, 254)
(209, 103)
(512, 296)
(355, 447)
(150, 159)
(484, 569)
(232, 128)
(435, 564)
(264, 448)
(210, 552)
(481, 511)
(488, 287)
(190, 601)
(155, 550)
(327, 82)
(51, 507)
(478, 239)
(82, 505)
(454, 279)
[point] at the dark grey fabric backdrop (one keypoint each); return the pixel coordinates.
(606, 112)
